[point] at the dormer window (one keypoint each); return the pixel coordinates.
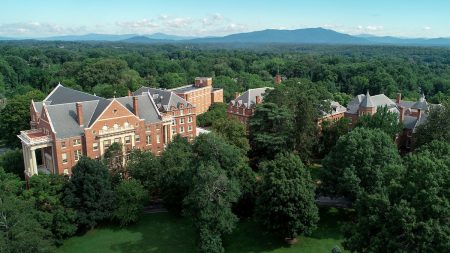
(115, 111)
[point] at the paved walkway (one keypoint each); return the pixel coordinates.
(339, 202)
(155, 208)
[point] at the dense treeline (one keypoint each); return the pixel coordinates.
(109, 68)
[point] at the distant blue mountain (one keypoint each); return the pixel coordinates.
(90, 37)
(299, 36)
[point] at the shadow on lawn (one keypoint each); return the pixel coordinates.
(160, 233)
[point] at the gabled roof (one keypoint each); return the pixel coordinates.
(421, 104)
(248, 98)
(61, 108)
(379, 100)
(164, 99)
(64, 118)
(63, 95)
(147, 109)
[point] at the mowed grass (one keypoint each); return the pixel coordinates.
(168, 233)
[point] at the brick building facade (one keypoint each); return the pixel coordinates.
(201, 94)
(242, 107)
(69, 124)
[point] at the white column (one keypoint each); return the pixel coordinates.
(34, 163)
(53, 161)
(26, 159)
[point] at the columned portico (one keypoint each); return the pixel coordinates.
(33, 140)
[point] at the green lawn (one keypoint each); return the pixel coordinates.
(171, 234)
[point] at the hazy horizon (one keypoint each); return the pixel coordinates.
(411, 19)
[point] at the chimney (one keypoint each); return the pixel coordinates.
(236, 95)
(136, 106)
(258, 100)
(399, 98)
(278, 79)
(80, 120)
(129, 93)
(402, 113)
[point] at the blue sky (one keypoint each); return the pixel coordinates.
(413, 18)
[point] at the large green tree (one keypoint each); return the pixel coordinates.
(286, 202)
(146, 168)
(411, 214)
(12, 161)
(175, 160)
(130, 198)
(216, 111)
(46, 192)
(209, 203)
(384, 120)
(437, 126)
(233, 132)
(15, 117)
(363, 160)
(89, 192)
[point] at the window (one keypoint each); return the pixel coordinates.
(127, 140)
(117, 140)
(181, 120)
(76, 142)
(174, 122)
(148, 140)
(182, 129)
(137, 138)
(181, 112)
(77, 155)
(106, 143)
(63, 144)
(157, 138)
(174, 130)
(64, 158)
(95, 146)
(190, 119)
(66, 171)
(189, 128)
(115, 111)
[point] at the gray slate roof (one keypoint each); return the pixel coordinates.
(367, 101)
(147, 110)
(164, 99)
(374, 101)
(61, 107)
(248, 98)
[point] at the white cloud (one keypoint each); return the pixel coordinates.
(427, 28)
(34, 28)
(369, 29)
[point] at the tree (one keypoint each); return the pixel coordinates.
(114, 160)
(437, 126)
(130, 198)
(233, 132)
(410, 215)
(175, 160)
(89, 192)
(20, 230)
(362, 160)
(46, 192)
(146, 168)
(271, 130)
(384, 120)
(214, 150)
(215, 112)
(15, 116)
(12, 162)
(286, 203)
(330, 134)
(209, 204)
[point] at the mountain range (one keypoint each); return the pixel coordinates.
(298, 36)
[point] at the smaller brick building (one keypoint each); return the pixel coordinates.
(242, 107)
(201, 94)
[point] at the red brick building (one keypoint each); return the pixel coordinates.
(336, 112)
(69, 124)
(411, 113)
(242, 107)
(201, 94)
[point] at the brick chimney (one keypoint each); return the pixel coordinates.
(258, 100)
(236, 95)
(79, 107)
(129, 93)
(399, 98)
(278, 79)
(136, 106)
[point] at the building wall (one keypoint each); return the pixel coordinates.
(200, 98)
(240, 113)
(217, 96)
